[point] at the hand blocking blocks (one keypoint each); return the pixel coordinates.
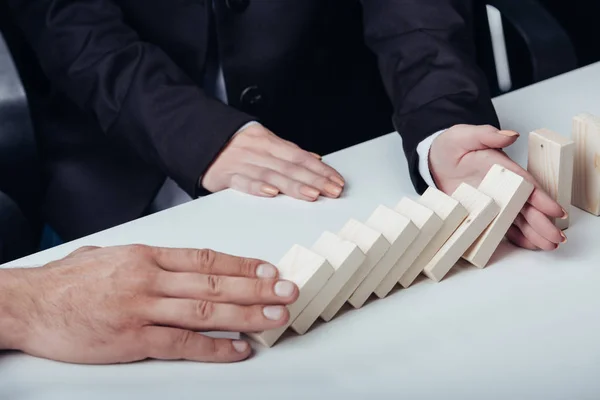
(427, 235)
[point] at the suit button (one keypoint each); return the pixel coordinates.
(237, 6)
(251, 98)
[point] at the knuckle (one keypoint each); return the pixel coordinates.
(205, 258)
(204, 310)
(183, 339)
(214, 285)
(267, 175)
(260, 289)
(247, 267)
(138, 250)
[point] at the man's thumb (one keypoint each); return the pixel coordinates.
(486, 137)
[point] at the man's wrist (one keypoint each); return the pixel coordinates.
(13, 309)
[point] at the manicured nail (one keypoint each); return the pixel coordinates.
(266, 271)
(338, 180)
(315, 155)
(240, 346)
(565, 214)
(284, 288)
(509, 133)
(333, 189)
(269, 190)
(564, 237)
(274, 313)
(309, 192)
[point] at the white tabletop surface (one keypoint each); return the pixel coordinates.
(526, 327)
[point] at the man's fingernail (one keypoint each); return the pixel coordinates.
(274, 313)
(284, 288)
(266, 271)
(338, 180)
(315, 155)
(509, 133)
(333, 189)
(309, 192)
(564, 237)
(269, 191)
(240, 346)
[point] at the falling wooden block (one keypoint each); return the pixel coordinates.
(429, 224)
(345, 257)
(400, 232)
(586, 168)
(452, 214)
(374, 245)
(481, 212)
(510, 191)
(550, 162)
(310, 272)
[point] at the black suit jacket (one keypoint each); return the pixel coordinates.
(125, 104)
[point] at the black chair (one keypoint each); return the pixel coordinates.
(19, 167)
(537, 46)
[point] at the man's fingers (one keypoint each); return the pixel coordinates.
(226, 289)
(542, 225)
(245, 184)
(515, 236)
(164, 343)
(200, 315)
(206, 261)
(534, 237)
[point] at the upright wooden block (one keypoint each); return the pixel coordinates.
(374, 245)
(482, 210)
(510, 191)
(400, 232)
(345, 257)
(429, 224)
(550, 162)
(586, 171)
(310, 272)
(452, 214)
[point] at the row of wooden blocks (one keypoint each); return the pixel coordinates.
(431, 234)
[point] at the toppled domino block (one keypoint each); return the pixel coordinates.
(586, 169)
(400, 232)
(310, 272)
(374, 245)
(451, 212)
(429, 224)
(510, 191)
(550, 161)
(345, 257)
(482, 210)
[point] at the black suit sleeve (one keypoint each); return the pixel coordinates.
(133, 89)
(426, 58)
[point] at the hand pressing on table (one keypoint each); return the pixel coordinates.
(124, 304)
(258, 162)
(465, 153)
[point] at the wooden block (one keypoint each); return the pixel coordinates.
(429, 224)
(510, 191)
(374, 245)
(310, 272)
(400, 232)
(550, 162)
(452, 214)
(345, 257)
(586, 169)
(481, 212)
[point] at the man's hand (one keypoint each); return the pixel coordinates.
(124, 304)
(258, 162)
(465, 153)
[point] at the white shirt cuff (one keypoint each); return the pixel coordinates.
(423, 152)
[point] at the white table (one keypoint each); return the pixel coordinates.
(526, 327)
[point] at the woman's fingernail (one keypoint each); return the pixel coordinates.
(508, 133)
(274, 313)
(338, 180)
(240, 346)
(309, 192)
(269, 190)
(565, 214)
(266, 271)
(333, 189)
(284, 288)
(315, 155)
(564, 237)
